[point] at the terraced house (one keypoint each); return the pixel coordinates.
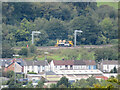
(36, 66)
(72, 65)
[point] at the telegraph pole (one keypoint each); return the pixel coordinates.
(75, 33)
(15, 66)
(45, 62)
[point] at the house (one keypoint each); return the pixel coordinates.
(14, 66)
(107, 65)
(35, 66)
(72, 64)
(61, 64)
(8, 64)
(90, 64)
(84, 64)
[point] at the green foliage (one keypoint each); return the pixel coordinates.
(92, 80)
(63, 82)
(7, 51)
(29, 85)
(25, 30)
(23, 51)
(41, 83)
(10, 74)
(53, 86)
(58, 21)
(12, 83)
(31, 73)
(113, 4)
(56, 29)
(82, 83)
(106, 54)
(114, 70)
(33, 49)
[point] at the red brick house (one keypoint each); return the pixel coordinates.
(14, 66)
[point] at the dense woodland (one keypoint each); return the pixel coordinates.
(58, 21)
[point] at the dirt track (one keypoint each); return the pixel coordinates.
(54, 48)
(85, 46)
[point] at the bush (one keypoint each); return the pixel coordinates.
(33, 48)
(63, 82)
(10, 74)
(32, 73)
(23, 51)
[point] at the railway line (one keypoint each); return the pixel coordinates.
(55, 48)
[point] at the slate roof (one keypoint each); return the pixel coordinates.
(90, 62)
(110, 62)
(63, 62)
(79, 62)
(41, 63)
(74, 62)
(9, 61)
(50, 73)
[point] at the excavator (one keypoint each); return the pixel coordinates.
(64, 43)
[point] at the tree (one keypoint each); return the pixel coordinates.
(63, 81)
(53, 86)
(41, 83)
(92, 80)
(114, 70)
(56, 29)
(23, 51)
(12, 83)
(82, 83)
(29, 85)
(25, 30)
(106, 53)
(10, 74)
(7, 51)
(33, 49)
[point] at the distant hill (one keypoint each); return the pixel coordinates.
(113, 4)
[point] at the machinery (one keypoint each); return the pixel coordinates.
(64, 43)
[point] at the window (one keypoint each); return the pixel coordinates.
(66, 66)
(43, 67)
(38, 68)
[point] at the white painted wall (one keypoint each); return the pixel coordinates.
(79, 67)
(108, 68)
(35, 69)
(110, 74)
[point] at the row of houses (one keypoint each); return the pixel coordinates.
(20, 65)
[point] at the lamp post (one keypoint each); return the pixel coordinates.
(46, 53)
(75, 33)
(15, 67)
(34, 32)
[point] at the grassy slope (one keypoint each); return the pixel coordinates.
(113, 4)
(66, 54)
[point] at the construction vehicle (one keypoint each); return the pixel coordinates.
(64, 43)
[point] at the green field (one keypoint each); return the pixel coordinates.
(113, 4)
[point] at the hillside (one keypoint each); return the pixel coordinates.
(113, 4)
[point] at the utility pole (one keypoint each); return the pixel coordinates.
(15, 66)
(34, 32)
(75, 33)
(45, 62)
